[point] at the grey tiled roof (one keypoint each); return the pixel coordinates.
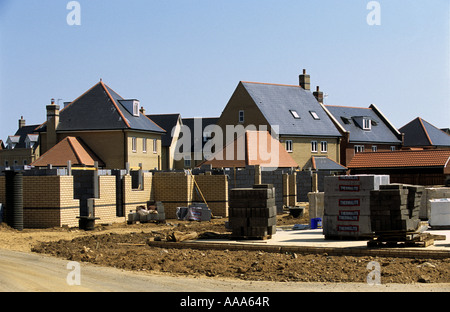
(167, 122)
(100, 109)
(276, 103)
(379, 132)
(419, 132)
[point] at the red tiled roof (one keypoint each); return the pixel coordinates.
(255, 153)
(396, 159)
(71, 148)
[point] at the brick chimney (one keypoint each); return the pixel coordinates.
(318, 95)
(305, 80)
(21, 122)
(52, 124)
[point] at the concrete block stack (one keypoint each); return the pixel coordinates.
(347, 205)
(396, 207)
(252, 212)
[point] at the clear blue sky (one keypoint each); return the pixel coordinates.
(187, 56)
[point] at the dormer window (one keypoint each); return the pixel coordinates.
(367, 124)
(132, 106)
(136, 108)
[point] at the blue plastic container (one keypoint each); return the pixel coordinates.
(316, 223)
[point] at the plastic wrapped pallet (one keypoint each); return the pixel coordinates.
(347, 205)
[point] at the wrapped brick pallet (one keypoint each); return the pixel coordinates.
(252, 212)
(347, 205)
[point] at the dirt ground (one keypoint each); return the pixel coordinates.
(124, 246)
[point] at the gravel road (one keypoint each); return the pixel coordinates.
(28, 272)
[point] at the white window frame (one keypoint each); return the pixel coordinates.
(295, 114)
(314, 146)
(241, 116)
(155, 146)
(374, 148)
(393, 149)
(144, 145)
(359, 148)
(324, 147)
(367, 124)
(289, 146)
(314, 115)
(134, 144)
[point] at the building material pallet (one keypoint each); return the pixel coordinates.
(403, 239)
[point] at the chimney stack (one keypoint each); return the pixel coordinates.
(318, 95)
(52, 124)
(305, 80)
(142, 110)
(21, 122)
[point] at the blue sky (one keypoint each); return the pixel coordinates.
(187, 56)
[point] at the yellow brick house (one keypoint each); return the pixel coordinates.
(114, 128)
(293, 112)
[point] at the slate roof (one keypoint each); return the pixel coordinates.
(21, 135)
(419, 132)
(325, 163)
(276, 102)
(166, 122)
(401, 159)
(253, 153)
(190, 122)
(100, 108)
(350, 118)
(70, 148)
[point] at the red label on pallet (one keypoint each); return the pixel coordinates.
(348, 228)
(349, 188)
(348, 215)
(349, 178)
(349, 202)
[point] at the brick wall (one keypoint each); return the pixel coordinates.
(215, 190)
(173, 189)
(105, 205)
(133, 198)
(48, 202)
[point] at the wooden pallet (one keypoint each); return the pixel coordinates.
(406, 239)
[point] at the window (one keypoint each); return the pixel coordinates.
(136, 108)
(295, 114)
(359, 148)
(346, 120)
(314, 146)
(6, 163)
(155, 146)
(187, 161)
(241, 116)
(133, 144)
(144, 145)
(374, 148)
(289, 146)
(367, 125)
(314, 115)
(324, 146)
(392, 148)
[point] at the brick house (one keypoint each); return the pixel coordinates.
(292, 111)
(111, 126)
(22, 148)
(363, 130)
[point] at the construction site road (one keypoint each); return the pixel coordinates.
(29, 272)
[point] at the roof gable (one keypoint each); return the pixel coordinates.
(419, 132)
(294, 110)
(99, 108)
(70, 148)
(351, 120)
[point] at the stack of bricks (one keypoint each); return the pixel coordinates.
(396, 207)
(252, 212)
(347, 205)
